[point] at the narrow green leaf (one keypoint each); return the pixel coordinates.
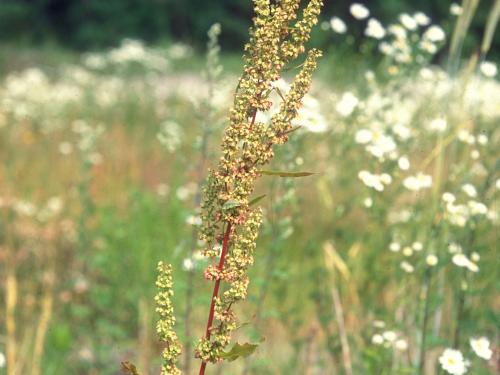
(256, 199)
(287, 174)
(239, 350)
(231, 203)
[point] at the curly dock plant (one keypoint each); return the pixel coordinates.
(230, 219)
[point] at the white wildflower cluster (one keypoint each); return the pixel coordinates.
(88, 136)
(31, 95)
(374, 29)
(50, 209)
(418, 182)
(170, 135)
(375, 181)
(438, 124)
(388, 338)
(179, 50)
(407, 266)
(347, 104)
(407, 251)
(195, 261)
(129, 52)
(459, 214)
(461, 260)
(408, 41)
(377, 143)
(186, 191)
(454, 362)
(310, 117)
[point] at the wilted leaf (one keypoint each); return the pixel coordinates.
(287, 174)
(129, 368)
(256, 199)
(334, 261)
(239, 350)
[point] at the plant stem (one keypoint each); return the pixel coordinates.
(344, 342)
(11, 290)
(225, 248)
(421, 362)
(460, 309)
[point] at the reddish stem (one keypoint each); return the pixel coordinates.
(253, 119)
(225, 248)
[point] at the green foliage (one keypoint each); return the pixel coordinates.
(285, 174)
(239, 351)
(96, 24)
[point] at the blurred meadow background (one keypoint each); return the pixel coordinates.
(110, 114)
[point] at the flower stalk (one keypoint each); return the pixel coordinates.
(166, 323)
(248, 144)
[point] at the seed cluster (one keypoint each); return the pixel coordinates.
(274, 42)
(166, 323)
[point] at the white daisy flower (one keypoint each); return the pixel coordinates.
(401, 344)
(420, 181)
(368, 202)
(417, 246)
(408, 21)
(407, 267)
(389, 336)
(488, 69)
(403, 163)
(470, 190)
(347, 104)
(475, 257)
(460, 260)
(452, 361)
(448, 197)
(359, 11)
(407, 251)
(193, 220)
(434, 34)
(363, 136)
(481, 347)
(338, 25)
(395, 247)
(421, 19)
(374, 29)
(187, 264)
(438, 124)
(455, 9)
(431, 260)
(377, 339)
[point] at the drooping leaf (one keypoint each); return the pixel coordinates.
(256, 199)
(231, 203)
(239, 350)
(286, 174)
(129, 368)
